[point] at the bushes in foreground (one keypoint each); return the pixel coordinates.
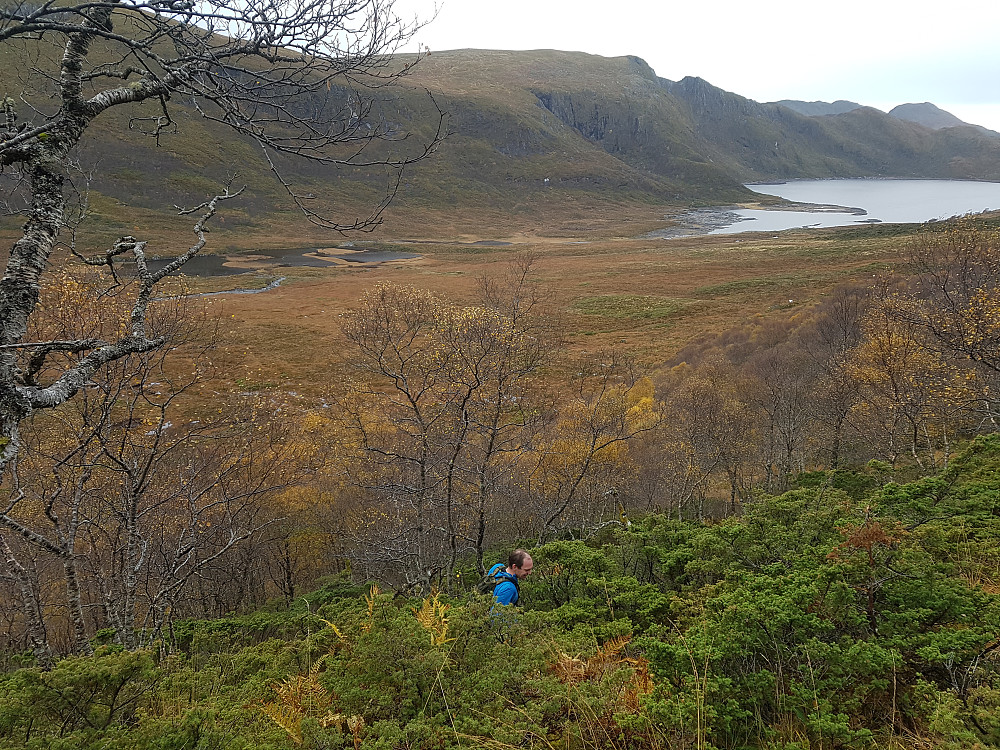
(815, 620)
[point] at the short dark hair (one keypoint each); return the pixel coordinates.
(516, 559)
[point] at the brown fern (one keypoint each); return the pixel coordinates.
(433, 618)
(297, 698)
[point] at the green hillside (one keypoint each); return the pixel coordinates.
(532, 134)
(757, 476)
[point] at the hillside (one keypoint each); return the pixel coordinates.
(534, 136)
(756, 476)
(815, 619)
(679, 141)
(926, 114)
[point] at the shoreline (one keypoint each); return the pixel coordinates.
(697, 222)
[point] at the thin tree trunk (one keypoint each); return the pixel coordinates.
(82, 645)
(34, 624)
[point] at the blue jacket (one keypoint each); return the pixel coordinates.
(506, 591)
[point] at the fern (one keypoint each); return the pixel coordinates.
(298, 697)
(287, 718)
(433, 619)
(370, 599)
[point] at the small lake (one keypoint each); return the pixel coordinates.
(866, 202)
(216, 265)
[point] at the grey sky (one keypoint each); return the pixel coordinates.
(876, 52)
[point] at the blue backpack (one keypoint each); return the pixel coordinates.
(494, 577)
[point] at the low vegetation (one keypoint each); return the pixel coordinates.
(848, 613)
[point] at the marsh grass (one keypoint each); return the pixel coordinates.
(633, 306)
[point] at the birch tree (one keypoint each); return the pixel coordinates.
(121, 498)
(290, 76)
(441, 419)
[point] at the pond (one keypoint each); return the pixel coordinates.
(840, 203)
(217, 265)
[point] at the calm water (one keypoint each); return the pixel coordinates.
(891, 201)
(214, 265)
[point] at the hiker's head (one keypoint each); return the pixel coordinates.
(519, 563)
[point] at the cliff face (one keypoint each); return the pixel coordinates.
(647, 130)
(693, 137)
(709, 102)
(615, 124)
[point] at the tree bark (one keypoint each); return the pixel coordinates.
(30, 606)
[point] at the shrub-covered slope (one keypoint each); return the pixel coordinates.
(850, 612)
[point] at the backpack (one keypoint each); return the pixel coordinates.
(494, 577)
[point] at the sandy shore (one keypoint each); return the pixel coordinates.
(699, 221)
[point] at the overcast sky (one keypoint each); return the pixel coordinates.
(878, 53)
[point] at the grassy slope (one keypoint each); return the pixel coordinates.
(607, 133)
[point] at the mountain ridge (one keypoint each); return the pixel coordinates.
(818, 108)
(536, 132)
(711, 131)
(925, 113)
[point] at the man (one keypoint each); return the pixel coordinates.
(519, 565)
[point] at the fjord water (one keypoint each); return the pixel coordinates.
(890, 201)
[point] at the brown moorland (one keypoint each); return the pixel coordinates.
(611, 286)
(611, 283)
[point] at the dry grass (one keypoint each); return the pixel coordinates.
(613, 288)
(648, 297)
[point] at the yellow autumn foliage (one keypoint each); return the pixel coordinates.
(433, 618)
